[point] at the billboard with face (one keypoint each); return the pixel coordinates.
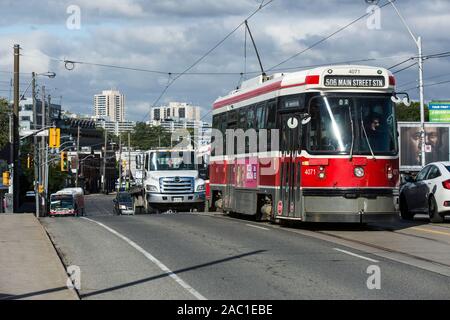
(436, 144)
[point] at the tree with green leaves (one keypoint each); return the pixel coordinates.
(4, 123)
(411, 113)
(146, 137)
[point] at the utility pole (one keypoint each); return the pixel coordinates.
(15, 124)
(35, 144)
(78, 157)
(120, 161)
(129, 161)
(42, 157)
(47, 114)
(418, 42)
(421, 97)
(104, 164)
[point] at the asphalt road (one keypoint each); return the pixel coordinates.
(195, 256)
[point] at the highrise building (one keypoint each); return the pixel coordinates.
(176, 111)
(181, 115)
(110, 105)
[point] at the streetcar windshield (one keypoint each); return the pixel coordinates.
(363, 125)
(161, 161)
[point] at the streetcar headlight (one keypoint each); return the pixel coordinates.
(359, 172)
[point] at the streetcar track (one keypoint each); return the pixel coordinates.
(368, 244)
(360, 242)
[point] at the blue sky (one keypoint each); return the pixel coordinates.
(169, 35)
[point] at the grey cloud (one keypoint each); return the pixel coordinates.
(171, 35)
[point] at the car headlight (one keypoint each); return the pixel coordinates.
(201, 187)
(122, 207)
(151, 188)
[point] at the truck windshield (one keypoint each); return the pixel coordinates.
(161, 161)
(366, 121)
(61, 202)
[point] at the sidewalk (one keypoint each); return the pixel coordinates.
(29, 265)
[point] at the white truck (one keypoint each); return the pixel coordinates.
(168, 179)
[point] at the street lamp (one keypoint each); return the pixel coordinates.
(48, 74)
(418, 42)
(37, 171)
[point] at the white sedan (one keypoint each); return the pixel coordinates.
(428, 192)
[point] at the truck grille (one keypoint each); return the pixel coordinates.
(176, 185)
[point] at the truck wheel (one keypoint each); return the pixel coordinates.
(200, 207)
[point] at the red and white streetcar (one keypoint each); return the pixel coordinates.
(331, 153)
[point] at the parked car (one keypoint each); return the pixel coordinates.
(428, 192)
(123, 203)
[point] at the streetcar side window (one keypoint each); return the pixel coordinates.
(250, 118)
(271, 114)
(260, 116)
(232, 119)
(218, 125)
(242, 120)
(271, 121)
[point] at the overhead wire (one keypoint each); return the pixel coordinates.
(329, 36)
(205, 55)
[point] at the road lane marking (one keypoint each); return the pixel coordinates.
(162, 266)
(356, 255)
(252, 225)
(431, 231)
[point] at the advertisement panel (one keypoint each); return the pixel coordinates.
(436, 144)
(439, 111)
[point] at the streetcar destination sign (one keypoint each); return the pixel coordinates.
(354, 81)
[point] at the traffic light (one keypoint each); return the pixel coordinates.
(54, 137)
(28, 161)
(64, 161)
(6, 178)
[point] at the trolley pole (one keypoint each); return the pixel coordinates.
(15, 137)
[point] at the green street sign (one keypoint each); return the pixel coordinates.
(439, 111)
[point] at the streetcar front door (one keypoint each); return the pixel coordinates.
(290, 167)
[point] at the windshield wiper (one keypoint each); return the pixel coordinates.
(367, 138)
(353, 132)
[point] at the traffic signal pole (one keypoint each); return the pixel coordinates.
(15, 141)
(78, 157)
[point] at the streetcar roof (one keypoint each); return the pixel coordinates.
(311, 79)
